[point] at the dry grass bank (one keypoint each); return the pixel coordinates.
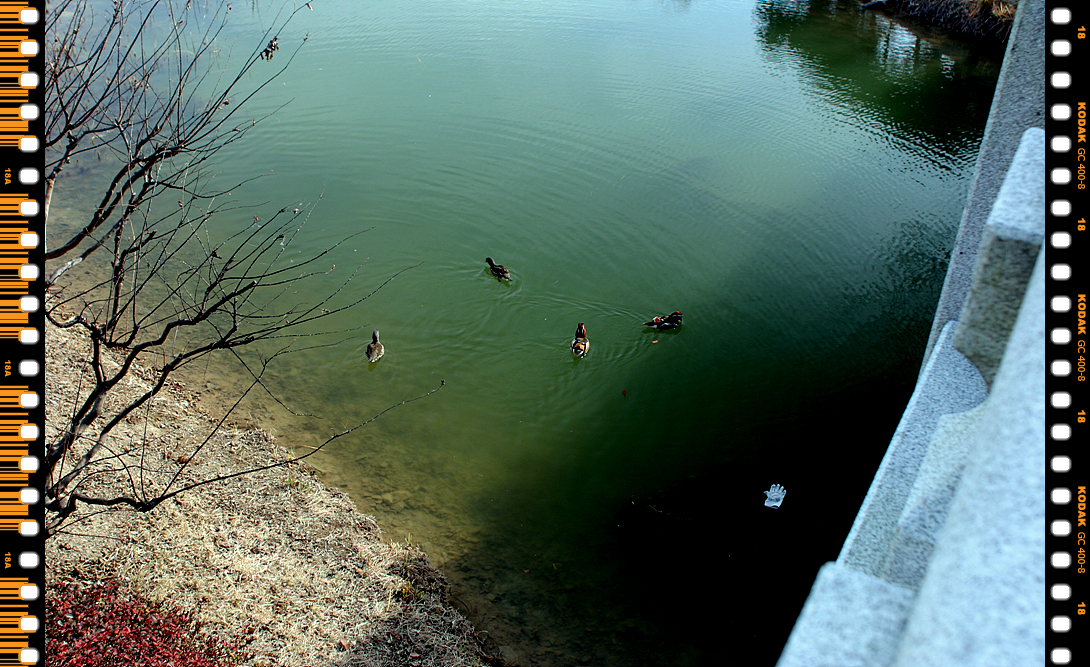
(274, 559)
(988, 20)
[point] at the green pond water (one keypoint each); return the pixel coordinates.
(789, 175)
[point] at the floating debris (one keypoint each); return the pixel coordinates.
(775, 496)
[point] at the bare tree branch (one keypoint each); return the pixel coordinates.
(146, 89)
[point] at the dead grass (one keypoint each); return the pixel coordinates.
(275, 558)
(981, 19)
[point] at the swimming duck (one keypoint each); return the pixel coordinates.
(375, 349)
(498, 270)
(670, 321)
(580, 344)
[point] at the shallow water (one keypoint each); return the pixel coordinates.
(789, 175)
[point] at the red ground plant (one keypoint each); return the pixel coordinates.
(101, 624)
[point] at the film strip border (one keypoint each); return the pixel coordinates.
(1068, 205)
(22, 416)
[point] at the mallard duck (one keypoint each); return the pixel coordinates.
(498, 270)
(375, 350)
(670, 321)
(580, 344)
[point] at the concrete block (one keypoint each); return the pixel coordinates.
(926, 507)
(983, 597)
(850, 620)
(949, 384)
(1005, 259)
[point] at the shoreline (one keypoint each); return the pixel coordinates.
(987, 21)
(274, 560)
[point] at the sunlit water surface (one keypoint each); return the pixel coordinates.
(790, 176)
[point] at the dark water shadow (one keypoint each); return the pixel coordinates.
(693, 567)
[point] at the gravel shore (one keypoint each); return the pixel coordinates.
(274, 559)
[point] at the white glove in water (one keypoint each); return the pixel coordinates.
(775, 496)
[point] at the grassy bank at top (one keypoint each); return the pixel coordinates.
(986, 20)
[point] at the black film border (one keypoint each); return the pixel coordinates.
(1067, 385)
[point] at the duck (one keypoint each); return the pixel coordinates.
(580, 344)
(498, 270)
(375, 350)
(670, 321)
